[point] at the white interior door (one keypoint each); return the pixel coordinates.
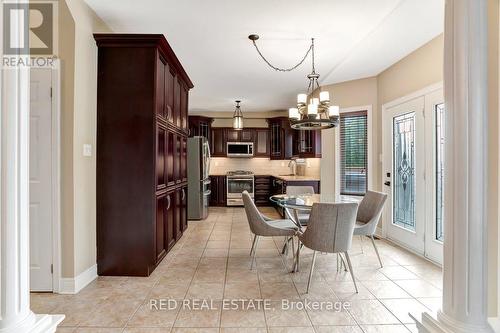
(41, 180)
(404, 171)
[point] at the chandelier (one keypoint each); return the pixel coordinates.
(238, 117)
(311, 113)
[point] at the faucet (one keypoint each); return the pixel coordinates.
(293, 166)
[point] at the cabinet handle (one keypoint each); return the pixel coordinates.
(183, 194)
(168, 202)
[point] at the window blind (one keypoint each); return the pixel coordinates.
(353, 153)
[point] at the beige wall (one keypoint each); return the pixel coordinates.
(79, 96)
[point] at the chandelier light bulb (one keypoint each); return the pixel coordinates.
(324, 96)
(315, 101)
(334, 111)
(301, 99)
(293, 113)
(312, 109)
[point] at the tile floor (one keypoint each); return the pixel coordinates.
(211, 262)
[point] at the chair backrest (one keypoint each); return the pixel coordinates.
(297, 190)
(370, 208)
(257, 223)
(330, 227)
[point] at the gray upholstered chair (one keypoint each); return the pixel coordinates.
(369, 212)
(261, 225)
(302, 215)
(330, 230)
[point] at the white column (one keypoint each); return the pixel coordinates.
(15, 313)
(465, 245)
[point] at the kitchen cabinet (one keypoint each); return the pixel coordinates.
(247, 134)
(281, 138)
(200, 126)
(307, 144)
(141, 152)
(218, 142)
(218, 188)
(261, 143)
(184, 219)
(232, 135)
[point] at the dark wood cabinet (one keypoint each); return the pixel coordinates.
(200, 126)
(142, 125)
(218, 196)
(261, 142)
(218, 142)
(184, 219)
(307, 144)
(247, 135)
(232, 135)
(281, 138)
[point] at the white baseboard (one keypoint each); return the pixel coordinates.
(74, 285)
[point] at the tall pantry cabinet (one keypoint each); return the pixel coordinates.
(142, 129)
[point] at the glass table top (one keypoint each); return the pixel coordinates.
(306, 201)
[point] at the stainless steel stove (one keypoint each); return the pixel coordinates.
(237, 182)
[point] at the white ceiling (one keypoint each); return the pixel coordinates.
(354, 39)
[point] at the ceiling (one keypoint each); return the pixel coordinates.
(354, 39)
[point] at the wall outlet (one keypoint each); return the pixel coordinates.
(87, 150)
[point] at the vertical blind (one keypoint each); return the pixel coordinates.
(353, 153)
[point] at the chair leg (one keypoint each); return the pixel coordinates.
(376, 251)
(253, 244)
(254, 251)
(285, 246)
(293, 249)
(361, 243)
(342, 263)
(297, 256)
(311, 272)
(350, 270)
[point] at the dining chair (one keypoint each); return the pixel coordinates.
(302, 215)
(369, 212)
(330, 230)
(263, 226)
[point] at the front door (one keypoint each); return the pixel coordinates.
(413, 167)
(40, 180)
(404, 173)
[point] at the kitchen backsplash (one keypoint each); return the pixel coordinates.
(260, 166)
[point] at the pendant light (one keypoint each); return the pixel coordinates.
(238, 117)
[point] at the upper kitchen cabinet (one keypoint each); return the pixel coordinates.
(232, 135)
(281, 138)
(200, 126)
(261, 142)
(306, 144)
(218, 142)
(142, 101)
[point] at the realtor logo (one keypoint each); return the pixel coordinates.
(36, 23)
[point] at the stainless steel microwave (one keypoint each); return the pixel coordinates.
(239, 149)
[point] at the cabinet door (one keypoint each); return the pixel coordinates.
(184, 221)
(160, 226)
(276, 141)
(177, 159)
(160, 87)
(161, 140)
(177, 102)
(170, 157)
(247, 135)
(261, 145)
(222, 191)
(169, 221)
(213, 191)
(183, 159)
(184, 108)
(169, 94)
(218, 142)
(233, 135)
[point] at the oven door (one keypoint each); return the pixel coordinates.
(236, 186)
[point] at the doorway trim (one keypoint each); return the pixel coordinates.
(56, 174)
(419, 93)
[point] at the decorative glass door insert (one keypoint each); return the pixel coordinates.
(404, 171)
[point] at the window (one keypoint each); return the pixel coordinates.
(353, 153)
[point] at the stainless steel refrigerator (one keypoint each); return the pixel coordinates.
(198, 177)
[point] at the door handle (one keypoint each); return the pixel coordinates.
(183, 195)
(387, 183)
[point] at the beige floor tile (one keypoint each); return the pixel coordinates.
(97, 330)
(242, 330)
(385, 289)
(194, 330)
(398, 273)
(338, 329)
(346, 291)
(278, 290)
(235, 275)
(330, 318)
(218, 244)
(66, 329)
(207, 291)
(419, 288)
(290, 329)
(198, 318)
(151, 315)
(166, 290)
(243, 318)
(385, 329)
(432, 303)
(278, 315)
(318, 290)
(146, 330)
(401, 307)
(371, 312)
(242, 290)
(274, 277)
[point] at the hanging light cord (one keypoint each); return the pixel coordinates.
(311, 48)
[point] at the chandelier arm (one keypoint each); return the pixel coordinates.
(284, 69)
